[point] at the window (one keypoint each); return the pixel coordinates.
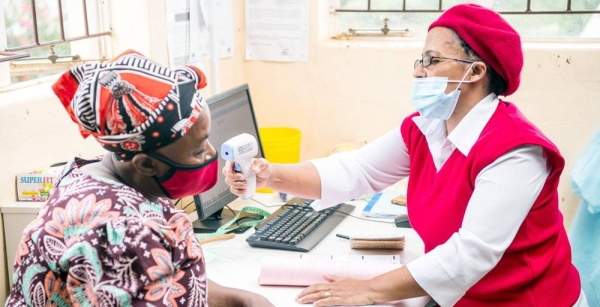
(533, 19)
(44, 37)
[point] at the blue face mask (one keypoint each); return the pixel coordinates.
(429, 97)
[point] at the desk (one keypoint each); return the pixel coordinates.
(233, 263)
(16, 216)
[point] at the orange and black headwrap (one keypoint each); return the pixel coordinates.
(132, 104)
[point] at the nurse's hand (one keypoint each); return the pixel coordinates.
(237, 182)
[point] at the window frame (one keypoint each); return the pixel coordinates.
(100, 16)
(371, 34)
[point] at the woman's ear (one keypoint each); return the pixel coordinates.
(478, 71)
(144, 164)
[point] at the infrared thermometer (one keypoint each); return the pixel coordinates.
(241, 149)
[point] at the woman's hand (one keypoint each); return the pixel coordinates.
(220, 296)
(339, 291)
(261, 167)
(255, 300)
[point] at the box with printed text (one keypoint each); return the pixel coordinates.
(36, 186)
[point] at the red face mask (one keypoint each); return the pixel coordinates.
(186, 180)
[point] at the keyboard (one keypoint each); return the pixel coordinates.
(298, 227)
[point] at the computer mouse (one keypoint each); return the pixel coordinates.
(402, 221)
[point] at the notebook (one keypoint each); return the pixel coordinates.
(381, 206)
(279, 269)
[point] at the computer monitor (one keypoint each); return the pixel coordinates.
(231, 114)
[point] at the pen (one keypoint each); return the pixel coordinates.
(342, 236)
(222, 237)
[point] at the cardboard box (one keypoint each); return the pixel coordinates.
(36, 186)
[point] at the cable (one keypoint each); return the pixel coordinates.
(365, 219)
(356, 217)
(188, 204)
(255, 217)
(240, 219)
(264, 205)
(232, 212)
(350, 215)
(182, 207)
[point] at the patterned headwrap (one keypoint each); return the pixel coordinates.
(132, 104)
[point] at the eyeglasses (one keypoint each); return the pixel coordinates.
(428, 60)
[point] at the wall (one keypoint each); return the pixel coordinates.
(348, 91)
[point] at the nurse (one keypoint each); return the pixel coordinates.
(483, 181)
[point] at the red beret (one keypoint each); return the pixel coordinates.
(490, 36)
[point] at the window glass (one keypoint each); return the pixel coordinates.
(417, 23)
(585, 5)
(353, 4)
(510, 6)
(52, 45)
(386, 5)
(47, 19)
(18, 16)
(551, 26)
(19, 23)
(555, 5)
(73, 18)
(423, 5)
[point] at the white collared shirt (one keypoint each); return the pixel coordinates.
(448, 271)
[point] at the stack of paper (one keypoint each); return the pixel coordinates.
(380, 206)
(308, 269)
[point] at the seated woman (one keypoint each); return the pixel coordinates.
(109, 235)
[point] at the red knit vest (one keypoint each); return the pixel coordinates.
(536, 269)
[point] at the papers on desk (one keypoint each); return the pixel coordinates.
(285, 269)
(381, 206)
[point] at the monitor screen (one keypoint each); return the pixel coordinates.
(231, 114)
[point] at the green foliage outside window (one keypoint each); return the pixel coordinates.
(18, 18)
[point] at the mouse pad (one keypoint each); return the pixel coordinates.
(211, 225)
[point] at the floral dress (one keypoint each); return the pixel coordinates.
(97, 242)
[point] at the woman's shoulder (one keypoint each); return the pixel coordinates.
(508, 125)
(100, 204)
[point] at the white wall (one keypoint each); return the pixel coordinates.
(348, 92)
